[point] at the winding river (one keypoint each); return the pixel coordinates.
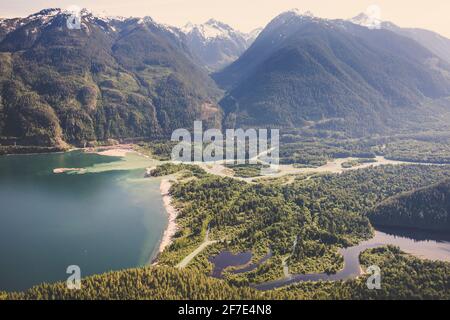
(107, 217)
(418, 243)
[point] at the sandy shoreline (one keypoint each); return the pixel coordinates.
(172, 212)
(65, 170)
(119, 150)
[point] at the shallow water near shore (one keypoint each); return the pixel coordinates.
(108, 218)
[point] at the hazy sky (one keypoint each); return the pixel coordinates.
(249, 14)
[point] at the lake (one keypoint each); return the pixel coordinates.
(108, 218)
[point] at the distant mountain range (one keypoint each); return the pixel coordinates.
(433, 41)
(217, 44)
(134, 77)
(113, 78)
(335, 73)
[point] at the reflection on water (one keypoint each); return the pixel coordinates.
(109, 218)
(421, 244)
(415, 234)
(227, 259)
(253, 266)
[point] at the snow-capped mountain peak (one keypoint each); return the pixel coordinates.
(218, 24)
(210, 30)
(216, 43)
(145, 20)
(293, 15)
(295, 11)
(371, 20)
(187, 27)
(252, 35)
(33, 24)
(45, 13)
(298, 12)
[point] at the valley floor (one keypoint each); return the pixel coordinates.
(307, 217)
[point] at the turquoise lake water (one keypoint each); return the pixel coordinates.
(108, 218)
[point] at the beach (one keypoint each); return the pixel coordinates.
(65, 170)
(113, 151)
(172, 212)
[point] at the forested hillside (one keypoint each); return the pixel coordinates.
(403, 277)
(147, 283)
(433, 41)
(109, 79)
(318, 215)
(427, 208)
(128, 78)
(333, 73)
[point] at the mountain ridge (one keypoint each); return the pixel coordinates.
(426, 208)
(110, 79)
(216, 43)
(303, 68)
(433, 41)
(134, 77)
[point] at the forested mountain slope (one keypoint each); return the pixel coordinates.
(431, 40)
(161, 283)
(334, 72)
(404, 277)
(427, 208)
(323, 214)
(113, 78)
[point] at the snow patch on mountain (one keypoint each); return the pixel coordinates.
(370, 19)
(217, 44)
(45, 14)
(252, 35)
(212, 29)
